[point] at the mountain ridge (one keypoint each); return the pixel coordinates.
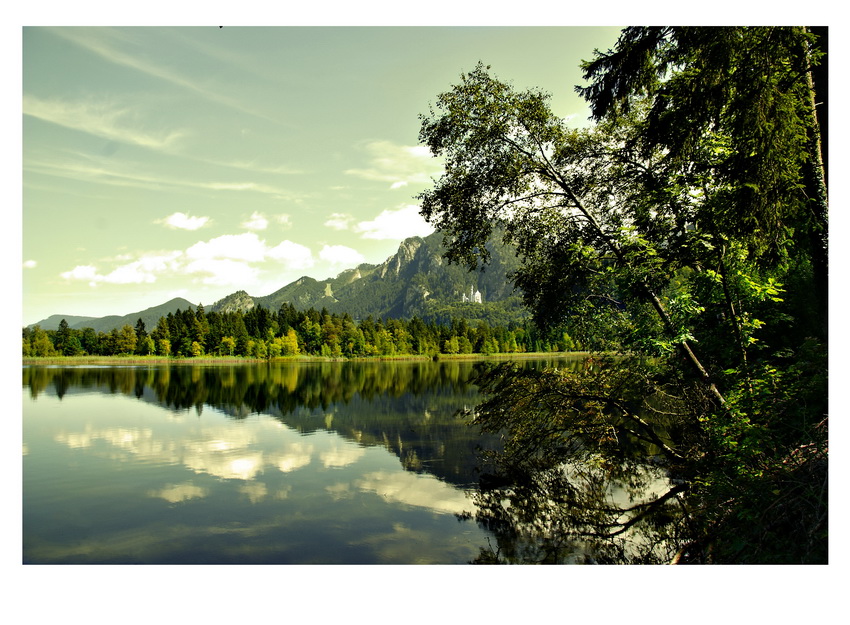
(415, 281)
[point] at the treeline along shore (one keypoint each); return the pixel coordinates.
(262, 334)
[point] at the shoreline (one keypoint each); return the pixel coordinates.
(237, 360)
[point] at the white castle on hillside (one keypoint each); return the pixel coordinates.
(474, 296)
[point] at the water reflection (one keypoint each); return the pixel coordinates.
(184, 489)
(409, 408)
(250, 464)
(286, 463)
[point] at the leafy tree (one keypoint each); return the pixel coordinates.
(289, 343)
(227, 346)
(40, 343)
(125, 340)
(163, 347)
(658, 233)
(146, 346)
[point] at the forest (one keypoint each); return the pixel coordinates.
(260, 333)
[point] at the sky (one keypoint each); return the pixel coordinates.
(193, 162)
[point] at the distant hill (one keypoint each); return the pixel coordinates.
(104, 324)
(416, 280)
(53, 321)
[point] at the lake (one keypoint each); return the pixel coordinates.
(281, 463)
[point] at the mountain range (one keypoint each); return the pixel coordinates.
(415, 281)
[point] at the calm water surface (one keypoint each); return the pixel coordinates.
(281, 463)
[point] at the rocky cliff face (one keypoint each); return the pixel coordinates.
(404, 285)
(407, 252)
(233, 302)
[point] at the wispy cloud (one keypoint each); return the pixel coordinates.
(253, 166)
(181, 221)
(129, 175)
(103, 118)
(255, 222)
(111, 44)
(398, 165)
(340, 221)
(30, 264)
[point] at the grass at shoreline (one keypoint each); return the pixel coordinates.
(239, 360)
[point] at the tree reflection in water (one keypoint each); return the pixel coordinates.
(582, 477)
(409, 408)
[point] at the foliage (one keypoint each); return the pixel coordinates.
(667, 232)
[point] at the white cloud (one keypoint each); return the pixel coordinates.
(143, 270)
(132, 273)
(400, 223)
(256, 222)
(30, 264)
(341, 255)
(294, 255)
(227, 260)
(81, 272)
(245, 247)
(284, 220)
(140, 271)
(181, 221)
(399, 165)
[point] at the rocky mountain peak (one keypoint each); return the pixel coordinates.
(240, 300)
